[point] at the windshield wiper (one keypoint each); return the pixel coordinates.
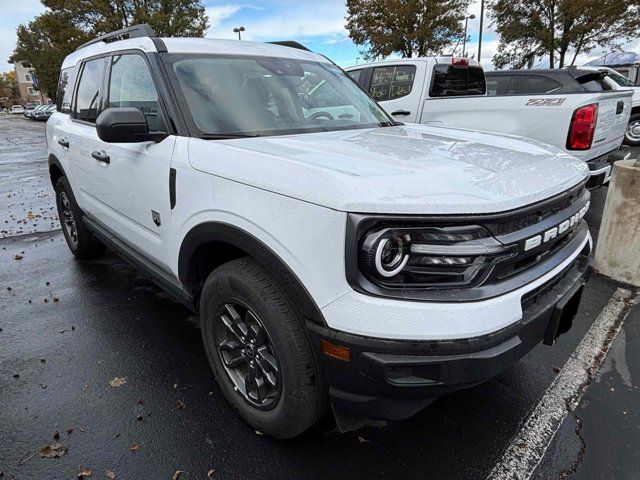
(227, 136)
(389, 124)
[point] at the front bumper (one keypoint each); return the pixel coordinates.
(600, 168)
(394, 379)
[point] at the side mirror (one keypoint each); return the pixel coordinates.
(125, 125)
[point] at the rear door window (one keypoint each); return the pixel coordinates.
(389, 83)
(501, 85)
(536, 84)
(88, 97)
(65, 89)
(456, 80)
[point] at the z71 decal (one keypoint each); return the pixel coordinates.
(545, 102)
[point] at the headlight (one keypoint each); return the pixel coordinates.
(430, 257)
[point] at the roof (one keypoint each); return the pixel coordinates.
(194, 45)
(575, 72)
(444, 59)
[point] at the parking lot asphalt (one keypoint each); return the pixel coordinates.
(68, 328)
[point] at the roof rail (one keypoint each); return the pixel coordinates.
(135, 31)
(291, 44)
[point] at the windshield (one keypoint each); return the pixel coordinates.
(255, 96)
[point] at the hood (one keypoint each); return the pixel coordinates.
(411, 169)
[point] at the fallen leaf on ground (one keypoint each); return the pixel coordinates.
(84, 473)
(18, 257)
(176, 475)
(56, 435)
(109, 474)
(54, 450)
(181, 405)
(117, 382)
(363, 440)
(210, 473)
(135, 447)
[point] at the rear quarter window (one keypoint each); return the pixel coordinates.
(457, 80)
(64, 94)
(355, 74)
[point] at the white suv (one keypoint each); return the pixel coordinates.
(335, 257)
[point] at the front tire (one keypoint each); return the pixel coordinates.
(259, 350)
(79, 238)
(632, 134)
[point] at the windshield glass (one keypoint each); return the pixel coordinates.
(238, 96)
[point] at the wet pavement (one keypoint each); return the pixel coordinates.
(68, 328)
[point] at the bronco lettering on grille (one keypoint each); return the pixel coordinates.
(538, 240)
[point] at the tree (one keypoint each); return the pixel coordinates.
(556, 28)
(9, 92)
(408, 27)
(51, 36)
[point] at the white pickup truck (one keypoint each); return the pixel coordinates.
(632, 137)
(572, 109)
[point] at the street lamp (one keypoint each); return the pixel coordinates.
(464, 42)
(238, 30)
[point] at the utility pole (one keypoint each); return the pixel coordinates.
(464, 41)
(480, 32)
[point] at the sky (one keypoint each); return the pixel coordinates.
(317, 24)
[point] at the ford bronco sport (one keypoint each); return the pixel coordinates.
(336, 258)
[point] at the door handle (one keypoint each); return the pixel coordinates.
(619, 107)
(101, 157)
(64, 142)
(401, 112)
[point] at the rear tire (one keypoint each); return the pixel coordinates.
(632, 134)
(240, 296)
(79, 238)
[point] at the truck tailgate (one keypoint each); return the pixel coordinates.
(614, 109)
(545, 118)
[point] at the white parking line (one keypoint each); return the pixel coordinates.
(563, 395)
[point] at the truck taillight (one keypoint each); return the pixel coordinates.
(583, 126)
(460, 61)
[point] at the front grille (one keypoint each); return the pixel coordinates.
(538, 213)
(534, 296)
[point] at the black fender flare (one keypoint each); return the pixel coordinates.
(222, 233)
(54, 162)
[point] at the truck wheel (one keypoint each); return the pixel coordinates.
(632, 135)
(259, 351)
(80, 240)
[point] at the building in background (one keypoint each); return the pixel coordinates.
(27, 84)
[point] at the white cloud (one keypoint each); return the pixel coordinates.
(322, 19)
(221, 12)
